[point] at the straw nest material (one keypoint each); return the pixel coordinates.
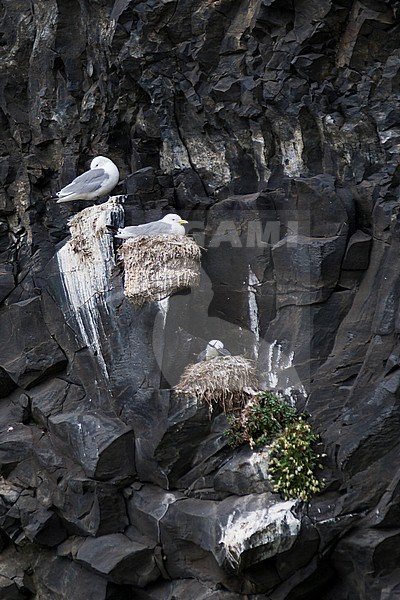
(90, 224)
(157, 266)
(222, 380)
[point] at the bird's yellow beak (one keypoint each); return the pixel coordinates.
(182, 222)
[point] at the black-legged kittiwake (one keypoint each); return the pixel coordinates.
(99, 181)
(213, 349)
(169, 224)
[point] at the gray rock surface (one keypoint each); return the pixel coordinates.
(95, 441)
(124, 559)
(26, 360)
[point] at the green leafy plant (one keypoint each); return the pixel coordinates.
(269, 419)
(260, 421)
(294, 461)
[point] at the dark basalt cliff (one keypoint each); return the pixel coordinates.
(273, 127)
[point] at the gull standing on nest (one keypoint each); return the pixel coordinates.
(213, 349)
(102, 177)
(169, 224)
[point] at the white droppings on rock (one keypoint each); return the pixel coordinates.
(260, 152)
(273, 530)
(253, 283)
(8, 492)
(292, 151)
(173, 154)
(210, 155)
(164, 307)
(161, 511)
(271, 372)
(85, 263)
(259, 459)
(159, 330)
(281, 374)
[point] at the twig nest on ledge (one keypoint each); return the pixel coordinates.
(223, 380)
(88, 228)
(156, 266)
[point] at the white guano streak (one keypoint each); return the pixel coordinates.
(253, 282)
(85, 263)
(292, 151)
(275, 528)
(280, 372)
(159, 330)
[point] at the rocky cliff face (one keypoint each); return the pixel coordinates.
(272, 126)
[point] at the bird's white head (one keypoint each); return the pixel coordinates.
(173, 219)
(101, 162)
(217, 344)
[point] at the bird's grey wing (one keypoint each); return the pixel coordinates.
(88, 182)
(147, 229)
(201, 356)
(224, 352)
(157, 228)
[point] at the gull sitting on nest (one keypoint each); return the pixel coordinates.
(102, 177)
(169, 224)
(213, 349)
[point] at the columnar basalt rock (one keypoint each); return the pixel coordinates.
(272, 127)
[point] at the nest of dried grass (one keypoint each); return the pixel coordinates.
(222, 380)
(157, 266)
(91, 223)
